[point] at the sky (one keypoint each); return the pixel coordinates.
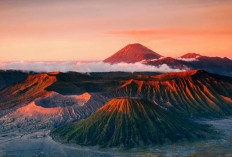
(91, 30)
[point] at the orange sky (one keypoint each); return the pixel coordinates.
(95, 29)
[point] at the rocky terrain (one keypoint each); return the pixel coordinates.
(76, 105)
(51, 111)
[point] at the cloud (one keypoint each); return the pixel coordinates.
(65, 66)
(188, 59)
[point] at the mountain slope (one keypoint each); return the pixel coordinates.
(26, 91)
(130, 122)
(190, 55)
(212, 64)
(9, 77)
(171, 62)
(195, 93)
(42, 85)
(132, 53)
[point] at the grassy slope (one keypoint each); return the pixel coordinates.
(130, 123)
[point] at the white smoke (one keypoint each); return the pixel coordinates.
(76, 66)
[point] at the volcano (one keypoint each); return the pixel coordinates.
(132, 53)
(130, 122)
(195, 93)
(191, 55)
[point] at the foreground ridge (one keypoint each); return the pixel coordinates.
(130, 122)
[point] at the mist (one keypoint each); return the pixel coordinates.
(77, 66)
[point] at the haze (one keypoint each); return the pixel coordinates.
(54, 30)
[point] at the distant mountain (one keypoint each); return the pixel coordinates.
(130, 122)
(192, 61)
(138, 53)
(171, 62)
(191, 55)
(194, 93)
(211, 64)
(132, 53)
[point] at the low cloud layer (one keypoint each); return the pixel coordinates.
(188, 59)
(83, 67)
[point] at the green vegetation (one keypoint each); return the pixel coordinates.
(128, 122)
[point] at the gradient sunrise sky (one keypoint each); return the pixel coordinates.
(50, 30)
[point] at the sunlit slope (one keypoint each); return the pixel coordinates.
(132, 53)
(129, 122)
(196, 93)
(26, 91)
(10, 77)
(41, 85)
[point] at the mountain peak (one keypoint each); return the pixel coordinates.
(132, 53)
(191, 55)
(120, 104)
(135, 44)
